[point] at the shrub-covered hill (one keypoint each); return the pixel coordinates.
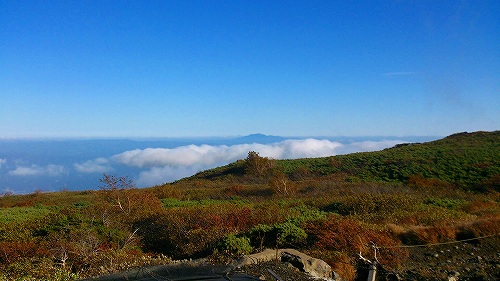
(467, 160)
(333, 208)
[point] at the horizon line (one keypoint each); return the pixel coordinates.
(140, 138)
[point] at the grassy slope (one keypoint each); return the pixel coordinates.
(464, 159)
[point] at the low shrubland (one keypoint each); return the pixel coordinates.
(99, 236)
(334, 208)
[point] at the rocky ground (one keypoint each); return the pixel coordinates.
(269, 270)
(472, 260)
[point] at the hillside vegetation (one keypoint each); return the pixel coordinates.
(332, 208)
(466, 160)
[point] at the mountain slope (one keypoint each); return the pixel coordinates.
(463, 159)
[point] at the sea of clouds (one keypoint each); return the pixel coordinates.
(156, 165)
(160, 165)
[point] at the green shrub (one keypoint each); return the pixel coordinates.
(303, 213)
(258, 234)
(288, 233)
(447, 203)
(277, 235)
(21, 214)
(236, 246)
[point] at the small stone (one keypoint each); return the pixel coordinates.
(392, 277)
(479, 259)
(262, 277)
(436, 255)
(453, 276)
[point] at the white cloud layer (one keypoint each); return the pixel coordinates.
(207, 155)
(159, 175)
(366, 146)
(99, 165)
(192, 155)
(168, 164)
(2, 162)
(35, 170)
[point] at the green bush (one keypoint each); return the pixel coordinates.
(236, 246)
(303, 213)
(447, 203)
(277, 235)
(288, 233)
(21, 214)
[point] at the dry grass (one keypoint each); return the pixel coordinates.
(479, 228)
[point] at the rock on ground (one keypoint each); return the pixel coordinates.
(304, 263)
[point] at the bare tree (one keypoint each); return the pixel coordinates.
(118, 192)
(281, 184)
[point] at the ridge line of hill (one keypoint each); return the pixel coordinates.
(462, 159)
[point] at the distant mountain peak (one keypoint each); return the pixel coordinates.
(257, 135)
(259, 138)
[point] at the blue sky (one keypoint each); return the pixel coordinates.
(226, 68)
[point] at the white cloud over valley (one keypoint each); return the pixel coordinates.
(36, 170)
(99, 165)
(160, 165)
(159, 175)
(152, 165)
(207, 155)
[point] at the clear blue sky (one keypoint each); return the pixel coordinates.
(225, 68)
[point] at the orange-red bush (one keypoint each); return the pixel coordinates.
(233, 190)
(428, 235)
(482, 207)
(479, 229)
(14, 250)
(350, 237)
